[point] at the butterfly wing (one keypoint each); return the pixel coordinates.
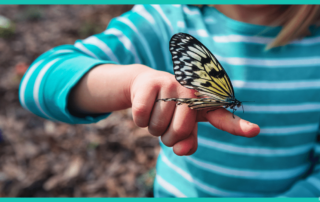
(195, 67)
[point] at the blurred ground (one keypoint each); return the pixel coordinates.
(40, 158)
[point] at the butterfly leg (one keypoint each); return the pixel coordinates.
(233, 111)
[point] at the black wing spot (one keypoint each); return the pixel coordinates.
(217, 74)
(206, 59)
(207, 84)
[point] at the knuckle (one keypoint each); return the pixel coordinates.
(139, 109)
(157, 127)
(140, 112)
(169, 84)
(166, 142)
(181, 133)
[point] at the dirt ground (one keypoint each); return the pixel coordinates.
(41, 158)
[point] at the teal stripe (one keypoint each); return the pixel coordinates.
(244, 161)
(124, 56)
(285, 140)
(95, 51)
(255, 151)
(254, 50)
(100, 48)
(248, 173)
(278, 97)
(299, 118)
(271, 74)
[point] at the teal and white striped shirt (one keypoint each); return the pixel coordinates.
(284, 82)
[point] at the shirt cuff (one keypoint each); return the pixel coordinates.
(59, 84)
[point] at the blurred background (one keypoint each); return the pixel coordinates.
(40, 158)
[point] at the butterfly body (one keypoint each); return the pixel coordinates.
(195, 67)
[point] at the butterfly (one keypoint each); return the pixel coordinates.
(195, 67)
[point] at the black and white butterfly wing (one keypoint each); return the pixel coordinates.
(195, 67)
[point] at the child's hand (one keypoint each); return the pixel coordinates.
(110, 87)
(177, 125)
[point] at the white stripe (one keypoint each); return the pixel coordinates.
(292, 85)
(261, 40)
(81, 47)
(181, 172)
(199, 32)
(158, 8)
(221, 192)
(255, 151)
(187, 10)
(93, 40)
(288, 108)
(210, 20)
(314, 181)
(241, 38)
(147, 16)
(291, 130)
(181, 24)
(62, 51)
(250, 174)
(307, 41)
(169, 187)
(176, 5)
(271, 63)
(201, 185)
(30, 71)
(142, 39)
(144, 13)
(125, 41)
(25, 81)
(283, 130)
(37, 84)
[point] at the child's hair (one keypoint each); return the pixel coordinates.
(295, 21)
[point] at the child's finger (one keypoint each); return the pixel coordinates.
(187, 146)
(181, 127)
(142, 105)
(161, 115)
(223, 120)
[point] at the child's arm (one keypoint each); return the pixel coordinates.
(111, 87)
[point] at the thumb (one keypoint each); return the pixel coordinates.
(223, 120)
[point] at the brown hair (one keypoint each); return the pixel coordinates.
(295, 22)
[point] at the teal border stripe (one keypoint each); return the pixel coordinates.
(159, 2)
(158, 199)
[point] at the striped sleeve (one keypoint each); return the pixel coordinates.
(136, 37)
